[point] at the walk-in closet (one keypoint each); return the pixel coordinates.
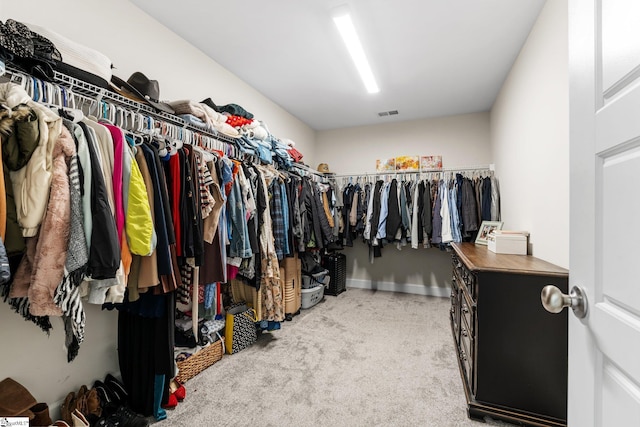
(316, 213)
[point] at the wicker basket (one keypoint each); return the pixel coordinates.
(198, 362)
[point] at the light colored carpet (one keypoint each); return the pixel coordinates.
(364, 358)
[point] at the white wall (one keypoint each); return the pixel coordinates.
(134, 42)
(462, 140)
(530, 138)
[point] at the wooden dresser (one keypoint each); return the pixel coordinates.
(511, 352)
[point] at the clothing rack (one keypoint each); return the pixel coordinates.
(68, 92)
(305, 170)
(421, 172)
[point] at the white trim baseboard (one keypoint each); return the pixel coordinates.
(407, 288)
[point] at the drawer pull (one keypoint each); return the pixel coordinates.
(463, 355)
(464, 332)
(465, 309)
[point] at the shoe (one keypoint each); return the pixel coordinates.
(81, 403)
(116, 386)
(172, 402)
(68, 406)
(41, 412)
(178, 390)
(106, 397)
(93, 403)
(79, 419)
(123, 417)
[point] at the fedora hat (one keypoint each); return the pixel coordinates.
(139, 88)
(323, 168)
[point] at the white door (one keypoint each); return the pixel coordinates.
(604, 348)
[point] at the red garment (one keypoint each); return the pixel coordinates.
(234, 173)
(232, 272)
(238, 121)
(174, 169)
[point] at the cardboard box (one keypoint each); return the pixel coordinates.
(508, 242)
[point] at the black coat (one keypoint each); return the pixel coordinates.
(104, 252)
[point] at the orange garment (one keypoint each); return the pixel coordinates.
(125, 255)
(327, 211)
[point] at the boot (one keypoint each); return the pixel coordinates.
(92, 402)
(81, 400)
(41, 412)
(79, 420)
(67, 408)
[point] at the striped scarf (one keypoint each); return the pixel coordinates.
(67, 295)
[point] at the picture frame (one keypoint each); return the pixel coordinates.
(485, 228)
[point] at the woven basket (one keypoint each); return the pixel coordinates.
(192, 366)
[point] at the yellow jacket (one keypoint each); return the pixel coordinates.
(139, 229)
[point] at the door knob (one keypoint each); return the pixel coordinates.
(554, 300)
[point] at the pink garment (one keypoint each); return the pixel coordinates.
(232, 272)
(118, 159)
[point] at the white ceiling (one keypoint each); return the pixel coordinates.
(430, 58)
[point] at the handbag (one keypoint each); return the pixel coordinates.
(240, 329)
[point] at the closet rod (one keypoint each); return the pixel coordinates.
(306, 169)
(80, 87)
(421, 171)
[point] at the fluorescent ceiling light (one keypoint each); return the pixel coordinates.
(351, 39)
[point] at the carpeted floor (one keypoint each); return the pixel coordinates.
(364, 358)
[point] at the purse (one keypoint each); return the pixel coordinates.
(240, 329)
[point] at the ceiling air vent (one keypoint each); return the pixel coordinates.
(388, 113)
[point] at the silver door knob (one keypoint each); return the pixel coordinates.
(554, 300)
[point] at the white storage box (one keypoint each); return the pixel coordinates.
(311, 297)
(508, 242)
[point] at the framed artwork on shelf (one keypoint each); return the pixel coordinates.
(386, 165)
(428, 163)
(408, 163)
(485, 228)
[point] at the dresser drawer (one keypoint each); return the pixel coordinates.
(468, 314)
(467, 279)
(466, 359)
(467, 345)
(455, 308)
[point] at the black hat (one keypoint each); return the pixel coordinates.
(140, 88)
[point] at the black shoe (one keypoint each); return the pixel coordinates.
(123, 417)
(117, 388)
(108, 399)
